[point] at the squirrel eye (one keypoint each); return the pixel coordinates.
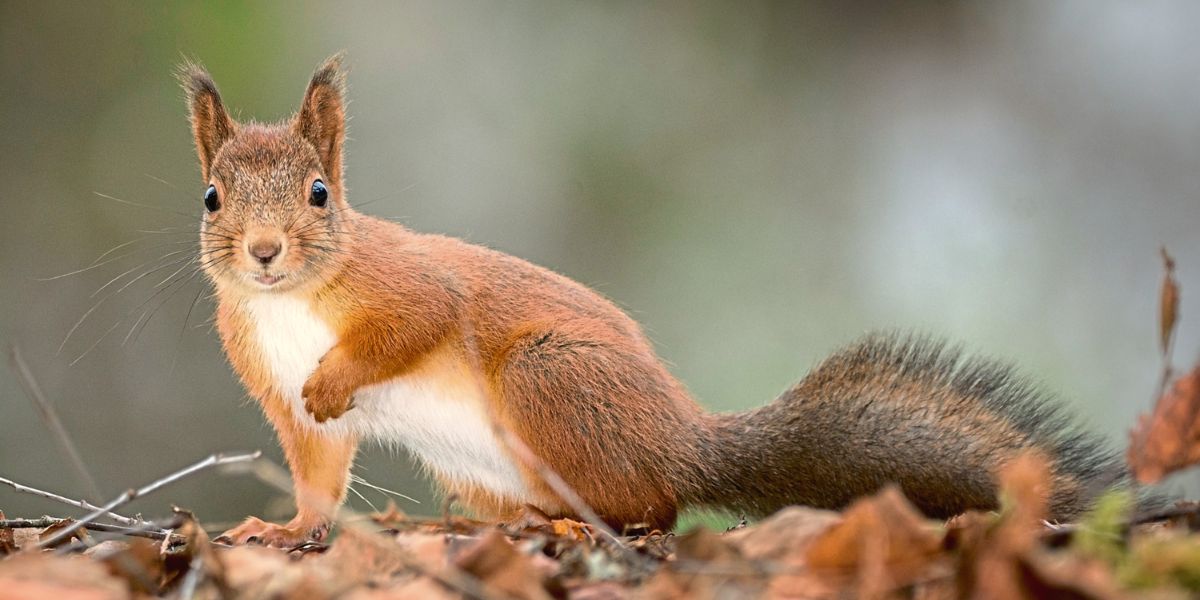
(319, 194)
(211, 202)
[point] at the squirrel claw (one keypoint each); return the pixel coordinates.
(257, 531)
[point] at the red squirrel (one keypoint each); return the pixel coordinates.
(346, 327)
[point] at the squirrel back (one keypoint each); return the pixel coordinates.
(900, 409)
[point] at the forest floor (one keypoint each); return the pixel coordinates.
(879, 547)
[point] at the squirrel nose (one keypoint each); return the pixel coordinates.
(265, 250)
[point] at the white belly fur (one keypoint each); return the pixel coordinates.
(437, 412)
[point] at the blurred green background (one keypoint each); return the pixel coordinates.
(757, 183)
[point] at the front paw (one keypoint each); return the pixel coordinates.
(257, 531)
(325, 400)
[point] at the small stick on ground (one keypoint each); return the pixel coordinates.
(44, 522)
(132, 494)
(84, 504)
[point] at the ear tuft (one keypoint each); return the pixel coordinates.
(211, 125)
(322, 116)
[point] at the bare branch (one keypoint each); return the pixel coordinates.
(554, 480)
(50, 419)
(43, 522)
(132, 494)
(84, 504)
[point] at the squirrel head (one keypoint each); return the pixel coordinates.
(273, 195)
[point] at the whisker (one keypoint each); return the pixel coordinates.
(140, 205)
(135, 324)
(183, 329)
(117, 247)
(118, 277)
(96, 343)
(96, 265)
(106, 297)
(362, 497)
(384, 490)
(163, 181)
(178, 285)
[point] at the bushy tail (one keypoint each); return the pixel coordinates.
(899, 409)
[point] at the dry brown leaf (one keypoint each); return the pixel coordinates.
(135, 561)
(391, 517)
(784, 536)
(706, 566)
(260, 572)
(881, 544)
(416, 588)
(499, 566)
(1168, 439)
(8, 543)
(782, 541)
(80, 534)
(991, 550)
(606, 590)
(46, 575)
(359, 557)
(571, 529)
(1039, 576)
(1025, 485)
(1001, 557)
(428, 550)
(1168, 310)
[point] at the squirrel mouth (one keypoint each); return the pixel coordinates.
(268, 280)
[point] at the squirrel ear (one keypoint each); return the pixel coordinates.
(211, 125)
(322, 116)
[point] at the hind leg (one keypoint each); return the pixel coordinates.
(607, 420)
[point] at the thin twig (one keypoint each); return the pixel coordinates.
(187, 589)
(553, 479)
(132, 494)
(84, 504)
(50, 418)
(44, 522)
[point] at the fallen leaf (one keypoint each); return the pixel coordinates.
(46, 575)
(499, 567)
(261, 572)
(1169, 438)
(706, 566)
(1025, 494)
(784, 536)
(391, 517)
(1000, 556)
(1069, 578)
(571, 529)
(80, 534)
(8, 543)
(1168, 311)
(136, 561)
(882, 543)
